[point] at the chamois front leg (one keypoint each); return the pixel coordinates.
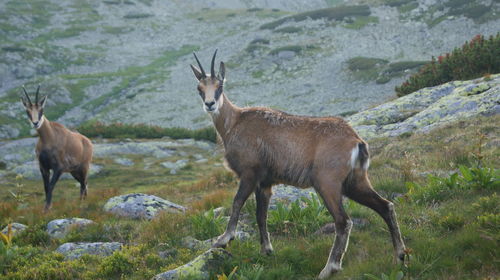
(262, 196)
(48, 195)
(46, 179)
(247, 186)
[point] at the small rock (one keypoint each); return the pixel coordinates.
(326, 229)
(175, 165)
(199, 268)
(59, 228)
(140, 206)
(287, 55)
(124, 161)
(167, 253)
(219, 211)
(17, 228)
(73, 251)
(288, 194)
(193, 243)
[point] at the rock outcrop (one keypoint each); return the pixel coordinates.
(17, 228)
(429, 108)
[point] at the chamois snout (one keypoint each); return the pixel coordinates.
(209, 105)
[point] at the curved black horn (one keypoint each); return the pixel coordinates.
(36, 96)
(27, 96)
(212, 66)
(199, 64)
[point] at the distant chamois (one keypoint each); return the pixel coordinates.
(58, 149)
(265, 147)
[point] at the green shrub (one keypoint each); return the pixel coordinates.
(475, 59)
(488, 204)
(118, 264)
(260, 41)
(33, 235)
(364, 63)
(119, 130)
(490, 222)
(298, 220)
(451, 222)
(293, 48)
(337, 13)
(207, 225)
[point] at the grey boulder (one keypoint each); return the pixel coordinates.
(140, 206)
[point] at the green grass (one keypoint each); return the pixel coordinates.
(380, 70)
(360, 22)
(97, 129)
(336, 13)
(288, 29)
(453, 237)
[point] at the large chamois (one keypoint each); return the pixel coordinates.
(58, 149)
(265, 147)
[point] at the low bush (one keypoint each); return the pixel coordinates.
(119, 130)
(475, 59)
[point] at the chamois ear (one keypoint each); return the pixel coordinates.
(199, 75)
(43, 101)
(222, 71)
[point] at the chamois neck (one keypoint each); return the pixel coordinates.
(225, 119)
(45, 129)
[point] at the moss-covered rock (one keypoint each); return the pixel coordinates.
(59, 228)
(73, 251)
(140, 206)
(199, 268)
(430, 107)
(17, 228)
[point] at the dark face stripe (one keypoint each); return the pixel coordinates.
(218, 93)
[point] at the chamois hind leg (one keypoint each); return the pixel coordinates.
(331, 193)
(262, 196)
(81, 177)
(247, 186)
(362, 192)
(48, 196)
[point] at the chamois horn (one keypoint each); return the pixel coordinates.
(36, 96)
(199, 64)
(27, 96)
(212, 66)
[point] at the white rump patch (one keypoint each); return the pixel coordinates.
(366, 165)
(354, 156)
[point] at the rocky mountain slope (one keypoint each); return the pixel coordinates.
(127, 60)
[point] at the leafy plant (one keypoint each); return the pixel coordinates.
(480, 178)
(7, 238)
(207, 225)
(231, 275)
(298, 220)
